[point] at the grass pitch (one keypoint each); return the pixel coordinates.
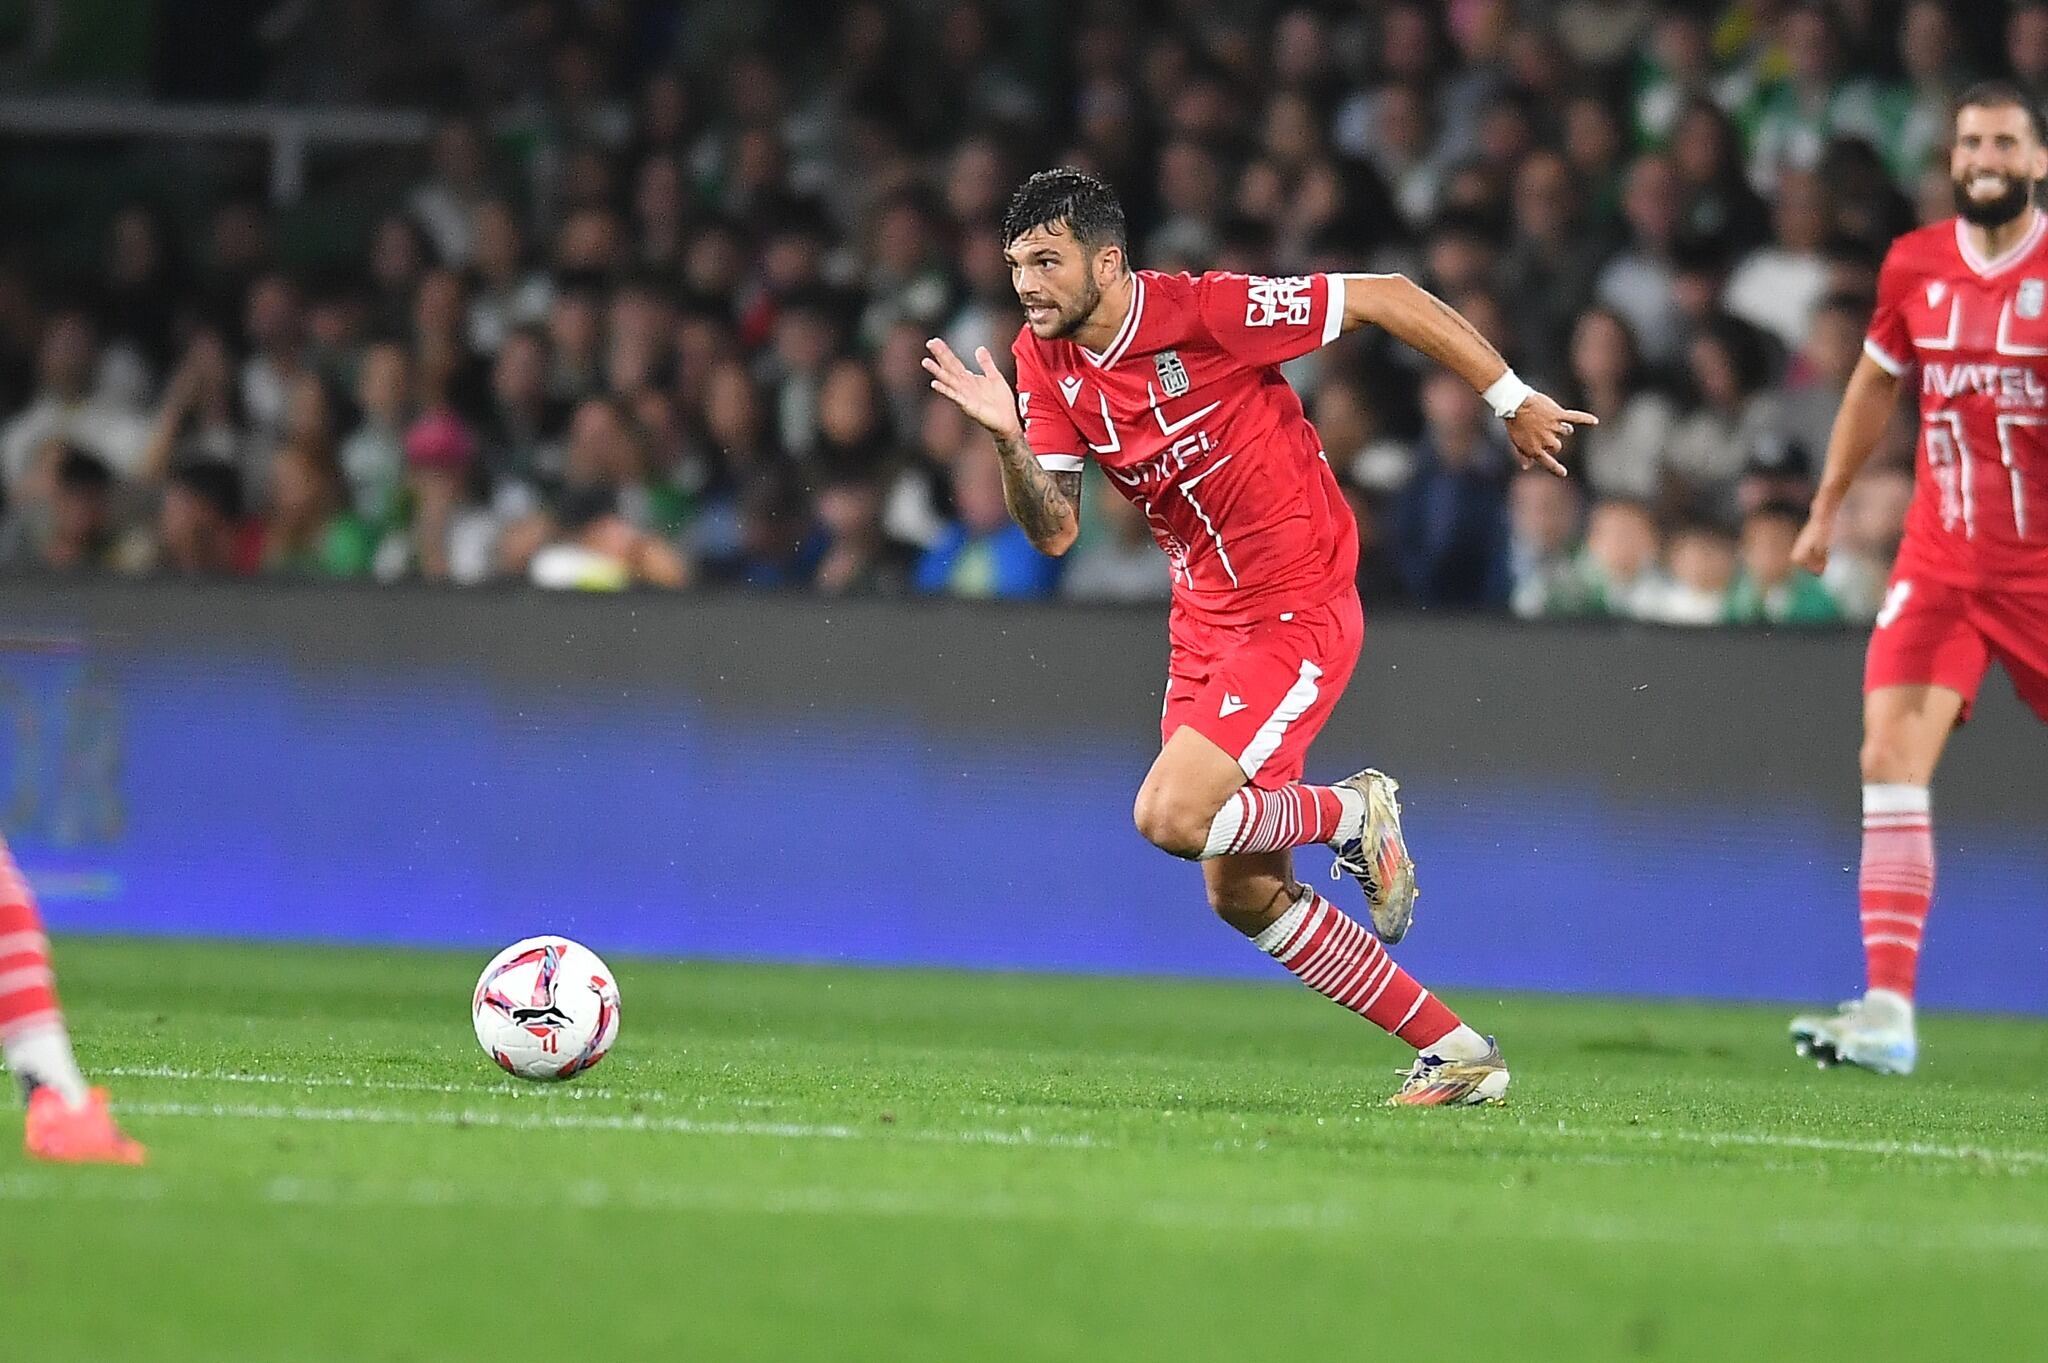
(816, 1164)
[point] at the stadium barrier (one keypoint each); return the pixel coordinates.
(291, 135)
(1594, 808)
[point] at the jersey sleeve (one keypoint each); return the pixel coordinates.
(1268, 319)
(1048, 430)
(1889, 343)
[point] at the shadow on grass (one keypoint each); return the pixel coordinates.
(1648, 1044)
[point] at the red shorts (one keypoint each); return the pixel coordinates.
(1932, 633)
(1262, 692)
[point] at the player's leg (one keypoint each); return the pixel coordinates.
(67, 1121)
(1927, 658)
(1906, 728)
(1236, 726)
(1904, 731)
(1197, 803)
(1340, 959)
(1240, 702)
(1189, 782)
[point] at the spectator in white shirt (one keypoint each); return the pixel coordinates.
(70, 406)
(1640, 282)
(1777, 285)
(508, 293)
(1621, 456)
(446, 204)
(1734, 415)
(274, 325)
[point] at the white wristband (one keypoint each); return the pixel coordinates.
(1506, 395)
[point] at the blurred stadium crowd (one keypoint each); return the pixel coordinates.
(648, 307)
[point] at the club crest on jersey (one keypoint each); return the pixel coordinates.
(2030, 298)
(1173, 375)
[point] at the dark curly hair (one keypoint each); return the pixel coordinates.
(1073, 199)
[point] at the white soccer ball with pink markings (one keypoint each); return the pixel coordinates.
(546, 1008)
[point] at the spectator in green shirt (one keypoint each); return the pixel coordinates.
(1772, 590)
(311, 532)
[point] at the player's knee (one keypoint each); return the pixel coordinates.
(1171, 823)
(1248, 905)
(1885, 759)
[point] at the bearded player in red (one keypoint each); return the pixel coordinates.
(1170, 384)
(1963, 302)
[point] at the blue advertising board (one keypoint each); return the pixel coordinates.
(241, 792)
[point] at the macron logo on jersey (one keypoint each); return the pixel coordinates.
(1230, 706)
(1070, 388)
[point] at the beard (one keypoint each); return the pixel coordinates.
(1073, 319)
(1995, 212)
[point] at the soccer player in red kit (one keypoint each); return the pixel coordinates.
(1965, 302)
(67, 1122)
(1170, 384)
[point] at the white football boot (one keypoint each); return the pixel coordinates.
(1874, 1032)
(1378, 857)
(1436, 1082)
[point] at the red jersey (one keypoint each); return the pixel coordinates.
(1978, 331)
(1189, 418)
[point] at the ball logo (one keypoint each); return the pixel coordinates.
(539, 1015)
(546, 1008)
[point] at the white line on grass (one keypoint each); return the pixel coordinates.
(581, 1121)
(50, 1186)
(549, 1092)
(1975, 1154)
(2022, 1159)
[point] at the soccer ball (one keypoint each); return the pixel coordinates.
(546, 1008)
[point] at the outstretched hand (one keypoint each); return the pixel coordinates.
(984, 396)
(1539, 428)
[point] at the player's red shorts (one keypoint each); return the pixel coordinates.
(1262, 692)
(1932, 633)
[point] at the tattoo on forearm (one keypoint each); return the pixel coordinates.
(1041, 502)
(1434, 346)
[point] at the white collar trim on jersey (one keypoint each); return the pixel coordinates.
(1124, 333)
(2006, 259)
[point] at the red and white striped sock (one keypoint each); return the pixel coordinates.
(32, 1035)
(1339, 958)
(1896, 883)
(1295, 815)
